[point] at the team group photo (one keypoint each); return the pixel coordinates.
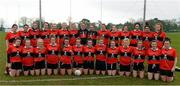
(137, 52)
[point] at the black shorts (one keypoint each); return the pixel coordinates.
(39, 65)
(65, 66)
(100, 65)
(166, 73)
(52, 66)
(27, 68)
(112, 66)
(16, 65)
(138, 66)
(88, 65)
(125, 68)
(77, 65)
(154, 69)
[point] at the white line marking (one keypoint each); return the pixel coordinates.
(42, 80)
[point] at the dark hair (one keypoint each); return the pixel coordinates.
(167, 39)
(137, 24)
(14, 25)
(26, 25)
(125, 26)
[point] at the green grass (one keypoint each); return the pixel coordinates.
(76, 80)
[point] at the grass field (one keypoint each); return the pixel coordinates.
(88, 80)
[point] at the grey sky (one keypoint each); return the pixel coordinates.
(115, 11)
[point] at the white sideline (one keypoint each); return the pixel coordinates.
(42, 80)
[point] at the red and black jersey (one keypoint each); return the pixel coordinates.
(135, 36)
(89, 53)
(66, 54)
(52, 53)
(92, 35)
(83, 33)
(78, 52)
(153, 56)
(27, 55)
(44, 34)
(54, 32)
(63, 34)
(104, 34)
(100, 52)
(73, 34)
(114, 36)
(34, 34)
(139, 55)
(125, 55)
(168, 58)
(39, 54)
(14, 53)
(11, 36)
(123, 35)
(112, 55)
(24, 35)
(147, 37)
(160, 38)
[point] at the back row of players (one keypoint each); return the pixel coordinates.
(33, 50)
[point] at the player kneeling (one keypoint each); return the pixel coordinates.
(39, 58)
(65, 59)
(125, 58)
(14, 52)
(138, 60)
(100, 57)
(52, 56)
(89, 52)
(78, 58)
(153, 61)
(168, 61)
(28, 58)
(112, 54)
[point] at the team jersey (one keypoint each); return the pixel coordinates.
(63, 34)
(39, 54)
(82, 33)
(114, 36)
(52, 53)
(73, 34)
(125, 55)
(89, 53)
(78, 54)
(34, 34)
(104, 34)
(92, 35)
(139, 55)
(160, 38)
(135, 36)
(100, 52)
(27, 55)
(153, 56)
(168, 58)
(123, 35)
(147, 37)
(66, 54)
(14, 52)
(24, 35)
(44, 34)
(112, 55)
(11, 36)
(54, 32)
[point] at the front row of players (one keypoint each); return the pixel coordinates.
(101, 58)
